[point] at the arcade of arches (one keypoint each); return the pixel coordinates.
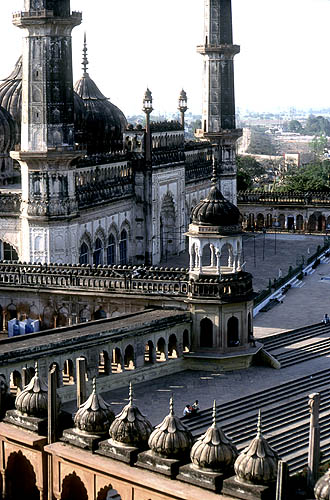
(284, 220)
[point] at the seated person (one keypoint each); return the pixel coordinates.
(195, 407)
(187, 411)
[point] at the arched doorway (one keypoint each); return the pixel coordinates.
(149, 353)
(321, 223)
(129, 358)
(104, 363)
(161, 350)
(269, 221)
(67, 374)
(299, 222)
(172, 347)
(281, 220)
(311, 226)
(290, 223)
(233, 332)
(260, 221)
(108, 493)
(117, 361)
(73, 488)
(20, 478)
(206, 333)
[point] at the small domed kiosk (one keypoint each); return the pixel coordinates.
(212, 458)
(170, 444)
(129, 434)
(221, 293)
(255, 469)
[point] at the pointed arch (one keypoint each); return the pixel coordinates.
(73, 488)
(18, 466)
(85, 248)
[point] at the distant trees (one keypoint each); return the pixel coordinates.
(261, 143)
(311, 177)
(248, 170)
(317, 125)
(295, 126)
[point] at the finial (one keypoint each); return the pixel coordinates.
(214, 171)
(259, 424)
(36, 369)
(94, 384)
(130, 394)
(171, 406)
(214, 414)
(85, 60)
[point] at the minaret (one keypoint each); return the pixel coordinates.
(218, 120)
(47, 130)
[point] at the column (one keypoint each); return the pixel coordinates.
(314, 439)
(81, 381)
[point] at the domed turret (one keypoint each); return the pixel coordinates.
(104, 122)
(171, 438)
(322, 487)
(214, 451)
(7, 132)
(94, 416)
(215, 210)
(33, 400)
(130, 427)
(11, 96)
(257, 463)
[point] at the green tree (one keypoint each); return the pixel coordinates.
(318, 145)
(312, 177)
(317, 125)
(261, 143)
(248, 171)
(244, 181)
(295, 126)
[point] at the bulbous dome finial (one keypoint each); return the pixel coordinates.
(94, 416)
(130, 427)
(213, 450)
(85, 60)
(33, 400)
(322, 487)
(171, 438)
(257, 463)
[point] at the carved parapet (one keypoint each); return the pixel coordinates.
(10, 203)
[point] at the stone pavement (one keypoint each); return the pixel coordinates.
(300, 307)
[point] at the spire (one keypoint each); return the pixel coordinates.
(214, 415)
(171, 406)
(130, 394)
(94, 385)
(259, 424)
(214, 178)
(36, 369)
(85, 61)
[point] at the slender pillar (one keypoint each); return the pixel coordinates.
(81, 381)
(282, 480)
(52, 425)
(314, 439)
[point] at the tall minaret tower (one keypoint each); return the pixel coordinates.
(218, 121)
(47, 131)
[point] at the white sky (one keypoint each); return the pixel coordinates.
(284, 59)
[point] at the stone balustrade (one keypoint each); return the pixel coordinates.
(10, 203)
(124, 279)
(269, 198)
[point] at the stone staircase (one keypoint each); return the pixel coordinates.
(287, 357)
(285, 418)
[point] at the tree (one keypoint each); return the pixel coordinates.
(312, 177)
(248, 171)
(317, 125)
(295, 126)
(318, 145)
(261, 143)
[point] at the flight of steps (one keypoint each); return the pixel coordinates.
(285, 418)
(306, 352)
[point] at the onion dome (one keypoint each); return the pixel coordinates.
(216, 210)
(7, 132)
(171, 438)
(322, 487)
(257, 463)
(214, 451)
(104, 122)
(94, 416)
(11, 100)
(11, 96)
(33, 400)
(130, 427)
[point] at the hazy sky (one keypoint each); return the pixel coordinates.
(284, 59)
